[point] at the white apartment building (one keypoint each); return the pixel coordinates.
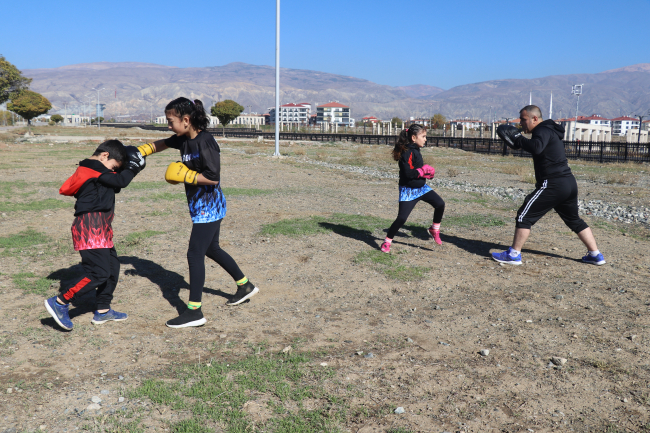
(75, 119)
(468, 123)
(595, 119)
(621, 125)
(292, 113)
(248, 119)
(333, 112)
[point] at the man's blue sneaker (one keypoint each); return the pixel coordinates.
(598, 260)
(111, 314)
(505, 257)
(59, 313)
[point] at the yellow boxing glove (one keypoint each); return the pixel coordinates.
(147, 149)
(178, 172)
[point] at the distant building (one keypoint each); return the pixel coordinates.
(469, 123)
(621, 125)
(292, 113)
(646, 125)
(333, 112)
(249, 119)
(594, 119)
(75, 119)
(370, 119)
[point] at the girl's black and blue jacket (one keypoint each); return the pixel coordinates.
(202, 154)
(411, 185)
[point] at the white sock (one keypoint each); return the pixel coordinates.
(514, 253)
(594, 253)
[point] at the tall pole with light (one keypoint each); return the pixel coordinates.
(576, 90)
(98, 107)
(641, 116)
(277, 78)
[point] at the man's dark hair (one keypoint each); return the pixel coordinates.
(533, 110)
(115, 149)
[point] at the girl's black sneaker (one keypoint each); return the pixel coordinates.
(188, 318)
(244, 292)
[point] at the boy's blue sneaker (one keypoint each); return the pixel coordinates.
(59, 313)
(111, 314)
(505, 257)
(598, 260)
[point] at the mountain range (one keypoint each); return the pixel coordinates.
(143, 89)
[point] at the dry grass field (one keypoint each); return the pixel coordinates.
(341, 338)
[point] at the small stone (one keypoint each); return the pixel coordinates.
(554, 248)
(443, 343)
(93, 406)
(559, 297)
(437, 307)
(484, 352)
(10, 390)
(120, 377)
(323, 364)
(359, 352)
(631, 337)
(42, 427)
(287, 349)
(369, 355)
(409, 340)
(96, 399)
(558, 361)
(120, 400)
(399, 410)
(625, 400)
(529, 321)
(105, 392)
(223, 335)
(574, 336)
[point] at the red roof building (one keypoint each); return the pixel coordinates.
(334, 112)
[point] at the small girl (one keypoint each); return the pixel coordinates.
(200, 172)
(413, 175)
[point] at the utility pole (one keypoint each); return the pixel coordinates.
(277, 78)
(576, 90)
(98, 107)
(641, 126)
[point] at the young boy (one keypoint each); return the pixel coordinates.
(94, 185)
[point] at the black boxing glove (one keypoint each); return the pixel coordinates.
(510, 135)
(134, 160)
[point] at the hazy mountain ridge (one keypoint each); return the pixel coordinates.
(145, 88)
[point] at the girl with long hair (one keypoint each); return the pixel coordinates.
(413, 175)
(200, 171)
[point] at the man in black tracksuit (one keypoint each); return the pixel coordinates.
(556, 187)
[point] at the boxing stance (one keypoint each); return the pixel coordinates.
(413, 175)
(556, 187)
(200, 171)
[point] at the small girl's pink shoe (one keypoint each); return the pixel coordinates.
(385, 247)
(435, 234)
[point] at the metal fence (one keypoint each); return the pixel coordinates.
(584, 150)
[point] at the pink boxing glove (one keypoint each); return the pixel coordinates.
(429, 171)
(421, 172)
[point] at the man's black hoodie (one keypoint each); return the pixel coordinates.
(547, 149)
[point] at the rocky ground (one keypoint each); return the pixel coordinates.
(427, 339)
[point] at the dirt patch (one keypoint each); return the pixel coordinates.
(326, 292)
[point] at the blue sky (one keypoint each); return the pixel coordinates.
(442, 44)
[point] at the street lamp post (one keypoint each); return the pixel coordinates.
(576, 90)
(277, 78)
(98, 108)
(641, 116)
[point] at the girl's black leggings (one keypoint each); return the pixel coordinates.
(405, 208)
(204, 241)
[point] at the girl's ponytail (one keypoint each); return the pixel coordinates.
(194, 109)
(199, 119)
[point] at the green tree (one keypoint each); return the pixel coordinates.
(226, 111)
(6, 118)
(397, 122)
(12, 81)
(56, 118)
(28, 105)
(438, 120)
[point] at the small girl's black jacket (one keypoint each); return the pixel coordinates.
(409, 162)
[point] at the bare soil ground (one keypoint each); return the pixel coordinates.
(308, 237)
